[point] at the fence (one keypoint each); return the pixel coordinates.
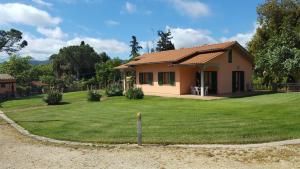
(280, 87)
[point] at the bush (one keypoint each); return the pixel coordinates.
(53, 97)
(23, 90)
(93, 95)
(114, 90)
(134, 93)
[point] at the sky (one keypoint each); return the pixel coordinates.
(107, 25)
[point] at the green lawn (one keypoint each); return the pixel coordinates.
(165, 120)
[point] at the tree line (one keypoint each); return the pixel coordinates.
(76, 66)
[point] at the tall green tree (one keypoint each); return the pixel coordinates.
(104, 57)
(106, 73)
(164, 42)
(19, 67)
(11, 41)
(75, 62)
(276, 44)
(135, 47)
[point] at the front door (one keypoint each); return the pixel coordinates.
(238, 81)
(210, 81)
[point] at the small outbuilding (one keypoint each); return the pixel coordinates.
(7, 86)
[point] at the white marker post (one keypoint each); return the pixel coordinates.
(139, 129)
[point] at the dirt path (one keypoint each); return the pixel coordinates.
(17, 151)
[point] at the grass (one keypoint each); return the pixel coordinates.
(165, 120)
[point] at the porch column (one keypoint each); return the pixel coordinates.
(124, 81)
(202, 83)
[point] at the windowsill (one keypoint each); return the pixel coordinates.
(147, 84)
(166, 85)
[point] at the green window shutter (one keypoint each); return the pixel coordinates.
(141, 78)
(160, 78)
(150, 78)
(230, 56)
(172, 78)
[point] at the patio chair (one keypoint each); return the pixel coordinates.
(197, 89)
(193, 91)
(206, 91)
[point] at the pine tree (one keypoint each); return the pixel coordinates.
(135, 47)
(164, 42)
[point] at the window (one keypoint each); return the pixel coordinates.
(166, 78)
(230, 56)
(3, 86)
(146, 78)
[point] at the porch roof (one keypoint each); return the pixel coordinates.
(201, 58)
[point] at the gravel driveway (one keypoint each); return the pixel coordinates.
(17, 151)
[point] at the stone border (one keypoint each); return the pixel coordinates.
(24, 132)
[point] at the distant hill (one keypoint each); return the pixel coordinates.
(39, 62)
(33, 62)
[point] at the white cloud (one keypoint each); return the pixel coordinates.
(102, 45)
(25, 14)
(111, 23)
(42, 3)
(190, 37)
(242, 38)
(147, 46)
(129, 7)
(55, 33)
(191, 8)
(79, 1)
(42, 48)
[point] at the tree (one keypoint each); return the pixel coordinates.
(103, 57)
(19, 67)
(135, 47)
(41, 70)
(276, 44)
(75, 62)
(106, 73)
(164, 42)
(11, 41)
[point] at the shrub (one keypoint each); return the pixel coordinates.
(23, 90)
(114, 90)
(53, 97)
(93, 95)
(134, 93)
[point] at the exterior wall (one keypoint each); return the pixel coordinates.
(8, 88)
(239, 63)
(187, 79)
(156, 89)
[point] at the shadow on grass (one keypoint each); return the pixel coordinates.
(59, 104)
(36, 121)
(251, 94)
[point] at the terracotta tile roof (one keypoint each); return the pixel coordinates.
(201, 58)
(124, 66)
(175, 55)
(194, 55)
(38, 83)
(6, 77)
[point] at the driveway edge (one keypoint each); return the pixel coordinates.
(24, 132)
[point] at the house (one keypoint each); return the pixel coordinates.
(38, 87)
(7, 86)
(221, 68)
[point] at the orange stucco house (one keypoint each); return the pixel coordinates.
(215, 69)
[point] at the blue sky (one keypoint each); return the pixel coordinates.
(107, 25)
